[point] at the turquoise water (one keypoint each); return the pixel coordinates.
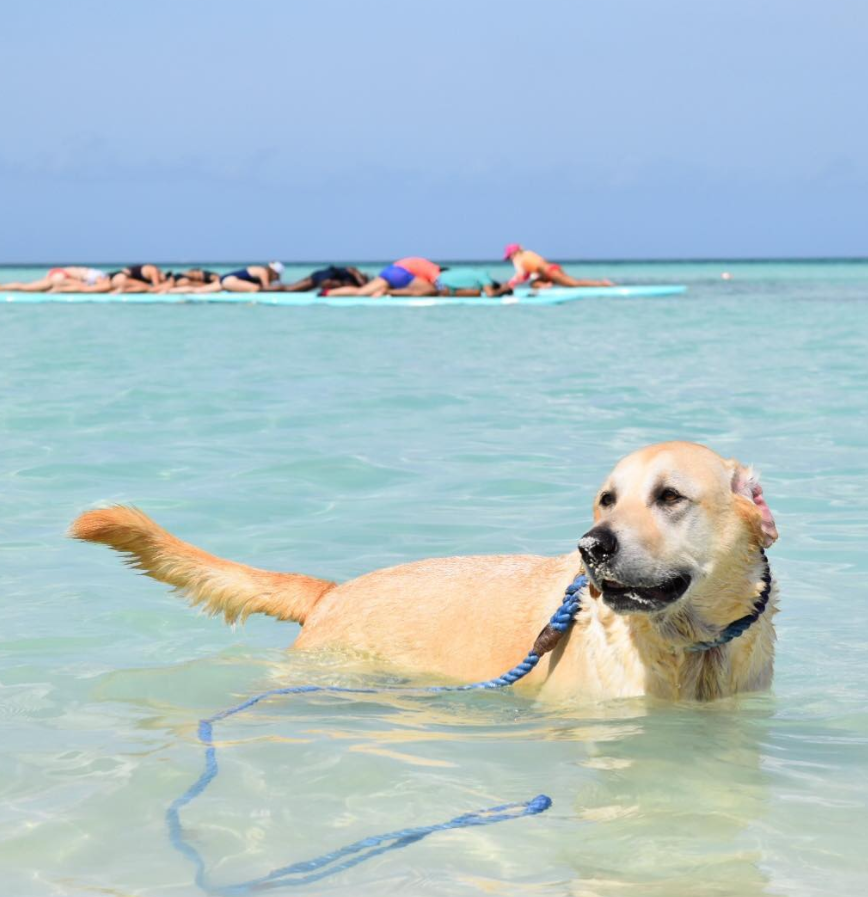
(336, 441)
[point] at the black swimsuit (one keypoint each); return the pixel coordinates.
(243, 274)
(135, 272)
(340, 275)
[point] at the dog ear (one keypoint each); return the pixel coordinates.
(746, 484)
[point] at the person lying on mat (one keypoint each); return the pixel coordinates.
(147, 278)
(253, 279)
(329, 278)
(101, 284)
(467, 281)
(197, 280)
(193, 278)
(461, 281)
(413, 276)
(531, 267)
(71, 279)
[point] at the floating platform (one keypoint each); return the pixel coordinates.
(553, 296)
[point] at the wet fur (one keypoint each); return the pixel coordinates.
(471, 618)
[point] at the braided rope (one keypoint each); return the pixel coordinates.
(309, 871)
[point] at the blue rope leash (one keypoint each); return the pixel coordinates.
(320, 867)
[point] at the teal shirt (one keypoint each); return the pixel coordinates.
(464, 279)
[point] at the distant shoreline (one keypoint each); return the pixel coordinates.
(750, 260)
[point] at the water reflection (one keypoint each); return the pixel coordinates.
(649, 798)
(677, 803)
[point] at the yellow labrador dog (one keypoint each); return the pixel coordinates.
(674, 557)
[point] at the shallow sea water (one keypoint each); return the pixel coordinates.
(336, 441)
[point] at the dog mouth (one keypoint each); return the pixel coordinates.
(631, 599)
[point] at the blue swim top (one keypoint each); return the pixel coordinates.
(464, 279)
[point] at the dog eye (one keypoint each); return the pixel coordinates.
(669, 497)
(607, 499)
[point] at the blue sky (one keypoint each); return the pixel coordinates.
(331, 129)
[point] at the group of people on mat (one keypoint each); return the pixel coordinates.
(150, 278)
(411, 276)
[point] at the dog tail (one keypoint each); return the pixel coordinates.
(219, 586)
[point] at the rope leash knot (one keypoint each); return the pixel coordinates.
(309, 871)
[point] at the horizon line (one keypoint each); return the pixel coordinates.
(468, 261)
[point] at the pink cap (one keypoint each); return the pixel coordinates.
(510, 249)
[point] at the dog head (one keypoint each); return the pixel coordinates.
(668, 520)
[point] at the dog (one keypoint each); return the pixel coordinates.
(675, 555)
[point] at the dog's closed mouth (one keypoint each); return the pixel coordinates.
(626, 599)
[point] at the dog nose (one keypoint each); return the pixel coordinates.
(598, 544)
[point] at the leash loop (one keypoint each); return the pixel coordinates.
(309, 871)
(318, 868)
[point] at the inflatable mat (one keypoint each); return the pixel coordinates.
(553, 296)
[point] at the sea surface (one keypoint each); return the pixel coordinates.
(335, 441)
